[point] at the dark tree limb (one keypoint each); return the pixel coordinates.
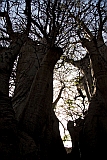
(58, 97)
(28, 14)
(8, 23)
(42, 81)
(102, 21)
(82, 24)
(47, 14)
(39, 27)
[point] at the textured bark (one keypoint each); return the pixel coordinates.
(39, 100)
(32, 103)
(94, 132)
(8, 125)
(30, 58)
(37, 119)
(93, 138)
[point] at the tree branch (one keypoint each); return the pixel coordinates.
(28, 14)
(47, 13)
(101, 22)
(39, 27)
(82, 24)
(9, 28)
(39, 102)
(4, 38)
(99, 11)
(3, 30)
(7, 57)
(58, 97)
(55, 25)
(79, 62)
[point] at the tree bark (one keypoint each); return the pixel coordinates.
(37, 119)
(34, 86)
(95, 130)
(8, 124)
(30, 58)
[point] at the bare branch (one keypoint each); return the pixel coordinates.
(8, 23)
(99, 11)
(4, 38)
(105, 19)
(59, 96)
(3, 30)
(82, 24)
(101, 22)
(47, 13)
(39, 27)
(8, 57)
(28, 14)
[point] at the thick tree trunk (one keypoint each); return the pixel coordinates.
(8, 125)
(30, 58)
(94, 137)
(34, 109)
(37, 119)
(40, 97)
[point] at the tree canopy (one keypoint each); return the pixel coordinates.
(76, 28)
(61, 23)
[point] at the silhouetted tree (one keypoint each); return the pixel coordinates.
(36, 34)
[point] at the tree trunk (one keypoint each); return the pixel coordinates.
(30, 58)
(34, 86)
(95, 129)
(93, 139)
(8, 124)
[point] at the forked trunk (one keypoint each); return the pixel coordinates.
(34, 86)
